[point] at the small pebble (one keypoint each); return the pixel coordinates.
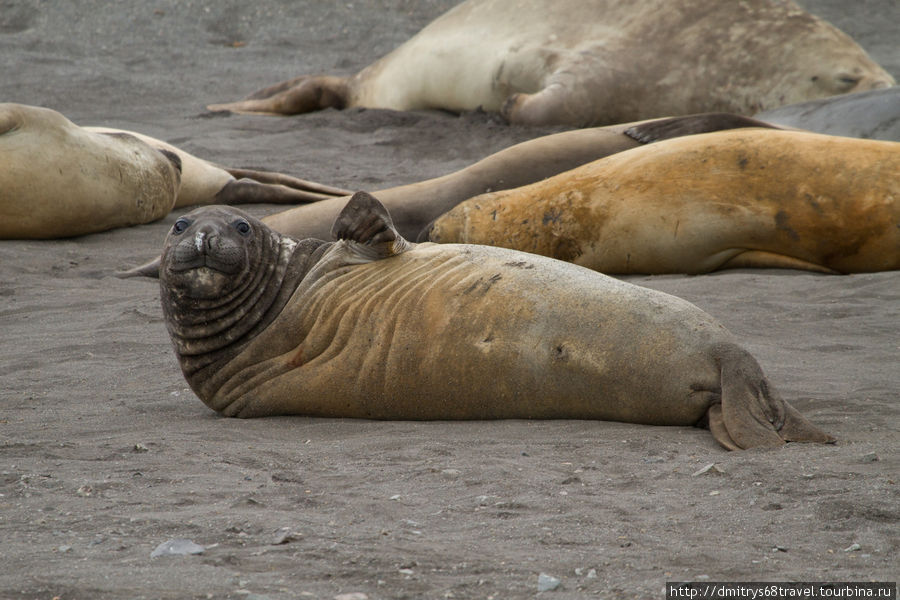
(854, 547)
(547, 583)
(711, 468)
(284, 535)
(177, 547)
(869, 457)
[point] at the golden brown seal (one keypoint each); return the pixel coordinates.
(741, 198)
(371, 326)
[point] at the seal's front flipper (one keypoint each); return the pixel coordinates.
(150, 269)
(753, 413)
(666, 129)
(367, 227)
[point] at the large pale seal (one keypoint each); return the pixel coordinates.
(742, 198)
(372, 326)
(583, 62)
(58, 179)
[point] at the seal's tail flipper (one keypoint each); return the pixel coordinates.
(366, 224)
(753, 414)
(300, 95)
(673, 127)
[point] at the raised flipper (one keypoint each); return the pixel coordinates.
(665, 129)
(300, 95)
(760, 259)
(366, 225)
(753, 415)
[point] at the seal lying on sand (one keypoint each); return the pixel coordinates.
(372, 326)
(742, 198)
(584, 62)
(58, 179)
(872, 115)
(416, 205)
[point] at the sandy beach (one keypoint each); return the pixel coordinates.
(105, 453)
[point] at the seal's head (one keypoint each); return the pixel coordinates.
(210, 252)
(224, 276)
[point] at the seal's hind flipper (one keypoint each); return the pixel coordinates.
(753, 413)
(717, 428)
(296, 96)
(665, 129)
(366, 224)
(149, 269)
(797, 429)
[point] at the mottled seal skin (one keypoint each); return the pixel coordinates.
(874, 114)
(597, 62)
(58, 179)
(759, 198)
(372, 326)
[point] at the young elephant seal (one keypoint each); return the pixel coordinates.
(372, 326)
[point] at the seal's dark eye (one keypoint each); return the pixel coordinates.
(180, 225)
(242, 226)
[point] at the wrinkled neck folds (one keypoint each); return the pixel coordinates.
(205, 331)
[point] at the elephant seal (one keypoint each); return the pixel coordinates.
(372, 326)
(744, 198)
(59, 180)
(597, 62)
(874, 114)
